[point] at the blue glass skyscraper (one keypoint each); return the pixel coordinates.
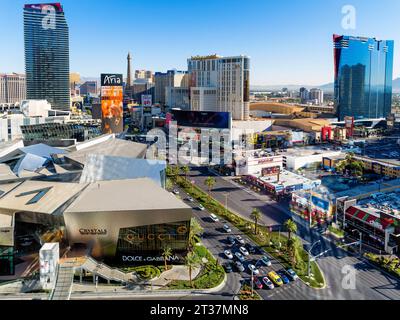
(363, 77)
(47, 54)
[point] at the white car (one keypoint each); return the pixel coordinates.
(268, 283)
(176, 191)
(228, 254)
(226, 228)
(244, 251)
(201, 207)
(240, 239)
(240, 257)
(190, 199)
(214, 217)
(253, 268)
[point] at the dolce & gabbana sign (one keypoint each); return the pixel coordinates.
(93, 232)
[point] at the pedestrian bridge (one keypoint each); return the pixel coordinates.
(69, 266)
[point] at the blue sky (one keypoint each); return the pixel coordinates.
(289, 41)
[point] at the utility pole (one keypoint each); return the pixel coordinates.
(310, 257)
(226, 194)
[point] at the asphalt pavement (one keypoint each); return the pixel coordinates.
(337, 265)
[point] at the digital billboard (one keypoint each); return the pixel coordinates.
(202, 119)
(111, 103)
(146, 100)
(41, 6)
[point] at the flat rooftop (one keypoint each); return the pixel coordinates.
(287, 179)
(110, 147)
(125, 195)
(309, 151)
(27, 196)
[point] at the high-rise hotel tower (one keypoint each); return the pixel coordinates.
(363, 77)
(47, 54)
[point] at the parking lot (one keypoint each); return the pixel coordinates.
(215, 237)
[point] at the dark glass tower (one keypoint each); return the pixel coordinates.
(363, 77)
(47, 54)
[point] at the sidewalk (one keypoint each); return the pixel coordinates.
(176, 273)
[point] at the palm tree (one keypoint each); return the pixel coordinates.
(292, 244)
(195, 231)
(177, 170)
(168, 184)
(192, 260)
(255, 215)
(291, 226)
(186, 170)
(167, 253)
(210, 182)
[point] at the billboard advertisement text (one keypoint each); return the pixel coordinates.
(200, 119)
(111, 103)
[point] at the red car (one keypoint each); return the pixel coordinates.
(257, 283)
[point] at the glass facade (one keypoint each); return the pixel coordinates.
(55, 131)
(363, 77)
(145, 244)
(47, 55)
(6, 261)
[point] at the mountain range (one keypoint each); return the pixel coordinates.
(325, 87)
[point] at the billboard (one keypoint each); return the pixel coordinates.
(147, 100)
(320, 203)
(111, 103)
(349, 125)
(41, 6)
(202, 119)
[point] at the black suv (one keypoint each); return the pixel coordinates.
(228, 267)
(250, 248)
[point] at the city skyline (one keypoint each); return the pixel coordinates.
(299, 52)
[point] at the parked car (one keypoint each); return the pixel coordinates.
(239, 266)
(257, 283)
(231, 240)
(268, 283)
(253, 269)
(275, 278)
(283, 276)
(266, 261)
(228, 267)
(227, 228)
(228, 254)
(244, 251)
(292, 275)
(240, 239)
(200, 207)
(250, 248)
(176, 191)
(214, 217)
(190, 199)
(239, 256)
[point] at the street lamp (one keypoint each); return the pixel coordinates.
(359, 232)
(310, 257)
(252, 281)
(226, 194)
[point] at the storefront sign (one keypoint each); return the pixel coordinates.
(148, 258)
(93, 231)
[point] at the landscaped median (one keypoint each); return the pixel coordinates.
(265, 239)
(389, 264)
(212, 274)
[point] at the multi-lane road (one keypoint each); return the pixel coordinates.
(337, 265)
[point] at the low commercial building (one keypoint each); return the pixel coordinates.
(376, 217)
(282, 183)
(296, 158)
(126, 221)
(386, 167)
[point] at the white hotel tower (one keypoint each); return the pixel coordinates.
(220, 84)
